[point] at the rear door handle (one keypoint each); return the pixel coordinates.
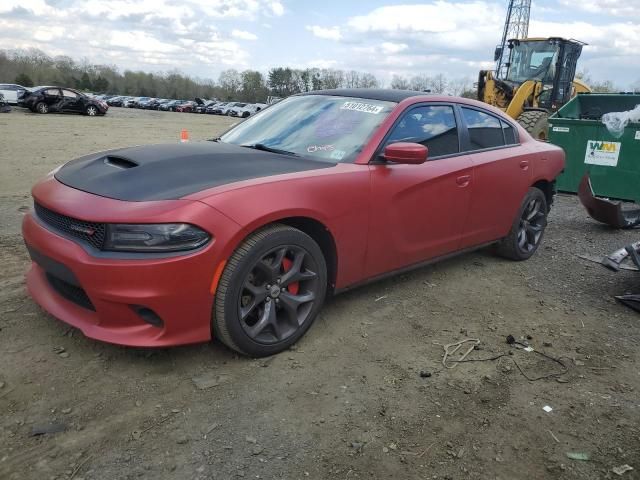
(463, 180)
(524, 164)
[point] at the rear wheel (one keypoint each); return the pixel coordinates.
(536, 122)
(270, 291)
(527, 230)
(42, 107)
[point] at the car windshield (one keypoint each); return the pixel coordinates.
(322, 127)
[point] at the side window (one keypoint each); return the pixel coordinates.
(54, 92)
(485, 130)
(432, 126)
(69, 94)
(509, 133)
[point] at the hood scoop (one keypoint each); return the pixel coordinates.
(172, 171)
(119, 162)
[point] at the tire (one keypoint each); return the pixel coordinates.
(41, 107)
(536, 122)
(91, 110)
(258, 311)
(528, 228)
(245, 114)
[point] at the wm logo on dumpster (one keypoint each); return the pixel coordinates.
(602, 153)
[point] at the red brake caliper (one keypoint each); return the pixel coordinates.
(295, 286)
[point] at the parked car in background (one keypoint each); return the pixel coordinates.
(171, 106)
(12, 92)
(154, 104)
(186, 107)
(202, 107)
(247, 110)
(116, 101)
(130, 102)
(142, 101)
(57, 99)
(214, 108)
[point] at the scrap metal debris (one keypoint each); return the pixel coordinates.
(622, 469)
(605, 210)
(631, 301)
(616, 262)
(452, 348)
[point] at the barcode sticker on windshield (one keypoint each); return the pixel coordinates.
(362, 107)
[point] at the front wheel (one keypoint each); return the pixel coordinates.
(92, 111)
(270, 291)
(527, 230)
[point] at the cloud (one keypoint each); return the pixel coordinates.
(138, 34)
(331, 33)
(389, 48)
(622, 8)
(243, 35)
(277, 8)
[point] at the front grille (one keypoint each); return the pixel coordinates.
(89, 232)
(72, 293)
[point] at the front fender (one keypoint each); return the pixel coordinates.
(338, 200)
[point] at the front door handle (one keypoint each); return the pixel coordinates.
(463, 180)
(524, 164)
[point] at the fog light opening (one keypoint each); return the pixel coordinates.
(148, 316)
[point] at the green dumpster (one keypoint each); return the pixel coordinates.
(613, 163)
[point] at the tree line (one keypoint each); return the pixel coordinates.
(34, 67)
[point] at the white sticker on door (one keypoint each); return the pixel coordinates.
(602, 153)
(637, 134)
(561, 129)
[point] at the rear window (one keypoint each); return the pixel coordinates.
(485, 131)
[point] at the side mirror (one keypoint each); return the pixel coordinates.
(405, 152)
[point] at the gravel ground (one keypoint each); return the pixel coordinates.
(349, 401)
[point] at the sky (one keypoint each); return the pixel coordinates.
(204, 37)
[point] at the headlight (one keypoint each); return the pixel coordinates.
(164, 237)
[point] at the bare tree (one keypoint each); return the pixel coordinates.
(399, 83)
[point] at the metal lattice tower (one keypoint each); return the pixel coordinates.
(515, 26)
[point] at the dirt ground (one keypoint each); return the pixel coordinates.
(349, 400)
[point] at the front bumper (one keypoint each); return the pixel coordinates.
(65, 274)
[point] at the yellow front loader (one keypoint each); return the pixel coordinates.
(538, 78)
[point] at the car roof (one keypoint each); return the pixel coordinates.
(382, 94)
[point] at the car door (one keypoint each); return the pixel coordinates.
(71, 101)
(53, 98)
(501, 174)
(418, 211)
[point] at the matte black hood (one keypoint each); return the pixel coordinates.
(172, 171)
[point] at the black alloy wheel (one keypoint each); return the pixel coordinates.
(532, 224)
(528, 228)
(278, 294)
(270, 292)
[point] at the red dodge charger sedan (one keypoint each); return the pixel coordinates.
(242, 238)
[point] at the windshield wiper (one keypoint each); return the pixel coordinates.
(264, 148)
